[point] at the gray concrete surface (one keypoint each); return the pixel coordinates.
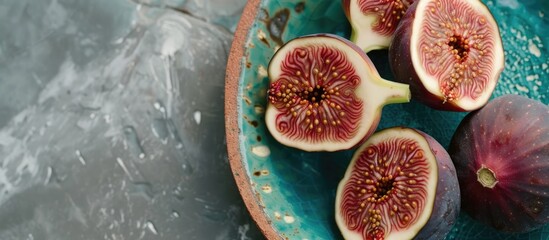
(111, 120)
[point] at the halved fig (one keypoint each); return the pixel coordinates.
(400, 184)
(501, 154)
(325, 94)
(450, 52)
(374, 21)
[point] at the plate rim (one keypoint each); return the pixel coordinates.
(232, 80)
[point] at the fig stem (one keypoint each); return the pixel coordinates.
(486, 177)
(394, 92)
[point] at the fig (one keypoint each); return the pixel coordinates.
(400, 184)
(374, 21)
(325, 94)
(501, 155)
(450, 52)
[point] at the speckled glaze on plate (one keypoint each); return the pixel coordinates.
(291, 193)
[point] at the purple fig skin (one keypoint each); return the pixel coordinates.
(346, 8)
(510, 137)
(448, 196)
(401, 64)
(438, 217)
(400, 61)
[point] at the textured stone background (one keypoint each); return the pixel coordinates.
(111, 120)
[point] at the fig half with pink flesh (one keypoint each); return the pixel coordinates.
(400, 184)
(501, 154)
(374, 21)
(450, 52)
(325, 94)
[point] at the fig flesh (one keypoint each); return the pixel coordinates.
(450, 52)
(325, 94)
(400, 184)
(374, 21)
(501, 154)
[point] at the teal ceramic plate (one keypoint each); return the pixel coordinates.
(290, 193)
